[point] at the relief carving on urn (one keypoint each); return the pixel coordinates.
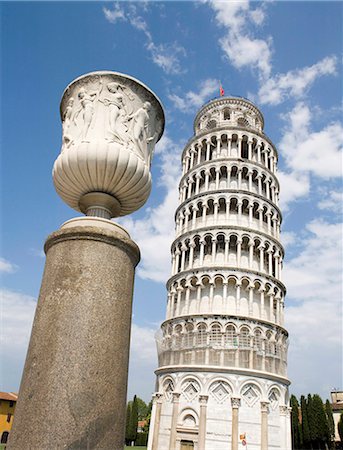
(111, 112)
(110, 125)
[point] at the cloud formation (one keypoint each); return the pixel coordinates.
(156, 228)
(7, 266)
(244, 50)
(308, 153)
(239, 45)
(314, 308)
(192, 100)
(167, 56)
(295, 83)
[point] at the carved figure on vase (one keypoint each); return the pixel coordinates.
(67, 139)
(139, 127)
(151, 141)
(87, 106)
(118, 112)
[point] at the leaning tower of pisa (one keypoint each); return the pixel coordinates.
(222, 350)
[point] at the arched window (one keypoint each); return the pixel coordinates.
(201, 338)
(211, 124)
(216, 335)
(244, 338)
(242, 122)
(226, 114)
(177, 336)
(230, 336)
(4, 437)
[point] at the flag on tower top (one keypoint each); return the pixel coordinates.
(221, 90)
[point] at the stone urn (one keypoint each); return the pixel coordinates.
(111, 123)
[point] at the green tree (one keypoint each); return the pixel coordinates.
(127, 425)
(340, 427)
(331, 424)
(133, 419)
(296, 427)
(304, 423)
(320, 422)
(312, 422)
(142, 409)
(148, 418)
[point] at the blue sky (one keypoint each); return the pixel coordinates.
(284, 56)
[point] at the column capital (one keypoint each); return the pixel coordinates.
(264, 406)
(203, 399)
(157, 397)
(235, 402)
(176, 396)
(283, 410)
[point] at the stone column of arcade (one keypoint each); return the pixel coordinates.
(73, 390)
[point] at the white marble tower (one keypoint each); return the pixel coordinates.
(222, 350)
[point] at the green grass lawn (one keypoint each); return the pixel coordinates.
(135, 448)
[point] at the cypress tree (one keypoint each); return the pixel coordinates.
(127, 425)
(340, 427)
(304, 423)
(296, 428)
(320, 422)
(134, 419)
(312, 423)
(331, 424)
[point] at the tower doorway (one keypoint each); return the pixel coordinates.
(187, 445)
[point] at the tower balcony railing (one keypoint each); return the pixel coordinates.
(230, 355)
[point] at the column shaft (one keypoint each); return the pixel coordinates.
(80, 338)
(175, 413)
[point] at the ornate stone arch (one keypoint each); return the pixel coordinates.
(251, 393)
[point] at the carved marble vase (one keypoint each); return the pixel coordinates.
(111, 123)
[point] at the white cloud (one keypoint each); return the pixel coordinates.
(7, 266)
(192, 100)
(314, 318)
(240, 47)
(316, 273)
(16, 317)
(295, 83)
(333, 202)
(166, 56)
(288, 238)
(244, 50)
(294, 185)
(143, 348)
(318, 152)
(17, 312)
(156, 229)
(115, 14)
(143, 362)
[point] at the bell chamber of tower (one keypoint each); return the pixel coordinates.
(222, 350)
